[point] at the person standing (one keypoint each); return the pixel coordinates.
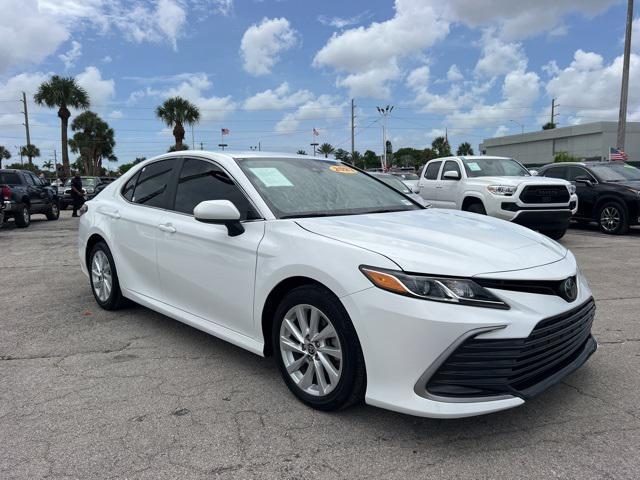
(77, 194)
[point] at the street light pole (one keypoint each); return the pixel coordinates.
(624, 93)
(384, 111)
(520, 124)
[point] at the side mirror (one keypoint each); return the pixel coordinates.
(534, 173)
(220, 212)
(585, 180)
(451, 175)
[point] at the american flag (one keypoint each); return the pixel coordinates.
(315, 133)
(225, 131)
(618, 154)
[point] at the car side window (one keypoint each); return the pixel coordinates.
(31, 180)
(574, 172)
(152, 183)
(451, 166)
(431, 172)
(556, 172)
(201, 180)
(129, 187)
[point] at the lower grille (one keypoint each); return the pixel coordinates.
(544, 194)
(522, 367)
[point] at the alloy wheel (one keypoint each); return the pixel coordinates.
(311, 350)
(25, 215)
(101, 277)
(610, 219)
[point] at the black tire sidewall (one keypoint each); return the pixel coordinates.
(477, 208)
(352, 361)
(19, 216)
(622, 227)
(114, 300)
(51, 215)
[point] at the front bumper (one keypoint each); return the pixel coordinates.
(543, 219)
(403, 338)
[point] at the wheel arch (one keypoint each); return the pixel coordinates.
(610, 197)
(470, 199)
(93, 239)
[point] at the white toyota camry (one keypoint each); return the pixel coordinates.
(354, 289)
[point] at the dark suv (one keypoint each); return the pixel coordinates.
(608, 192)
(22, 193)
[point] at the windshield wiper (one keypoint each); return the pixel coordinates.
(317, 214)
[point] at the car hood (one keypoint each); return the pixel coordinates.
(515, 181)
(442, 242)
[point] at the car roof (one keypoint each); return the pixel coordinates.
(592, 163)
(470, 157)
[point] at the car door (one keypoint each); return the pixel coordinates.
(35, 192)
(448, 189)
(202, 269)
(134, 225)
(587, 194)
(428, 182)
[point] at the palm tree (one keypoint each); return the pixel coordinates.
(465, 149)
(4, 154)
(301, 152)
(48, 165)
(30, 151)
(357, 157)
(93, 140)
(64, 93)
(326, 149)
(441, 146)
(176, 112)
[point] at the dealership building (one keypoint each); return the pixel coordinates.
(589, 141)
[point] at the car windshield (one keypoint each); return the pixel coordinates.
(86, 182)
(311, 187)
(407, 176)
(494, 167)
(622, 172)
(393, 182)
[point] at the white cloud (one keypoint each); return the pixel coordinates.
(338, 22)
(368, 58)
(418, 78)
(116, 114)
(281, 97)
(499, 58)
(588, 89)
(322, 108)
(12, 88)
(454, 74)
(262, 44)
(70, 56)
(635, 37)
(28, 35)
(107, 59)
(100, 91)
(141, 23)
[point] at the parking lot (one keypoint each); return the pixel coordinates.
(86, 393)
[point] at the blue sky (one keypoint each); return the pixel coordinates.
(272, 70)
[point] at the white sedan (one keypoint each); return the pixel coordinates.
(357, 292)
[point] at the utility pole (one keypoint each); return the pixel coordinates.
(55, 162)
(26, 122)
(384, 111)
(193, 145)
(553, 110)
(201, 146)
(624, 93)
(353, 127)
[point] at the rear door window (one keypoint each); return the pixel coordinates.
(431, 172)
(10, 178)
(153, 182)
(129, 187)
(556, 172)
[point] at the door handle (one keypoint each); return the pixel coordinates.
(439, 186)
(167, 227)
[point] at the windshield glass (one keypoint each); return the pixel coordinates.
(86, 182)
(494, 167)
(312, 187)
(393, 182)
(407, 176)
(616, 172)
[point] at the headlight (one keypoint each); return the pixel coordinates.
(633, 190)
(439, 289)
(572, 188)
(504, 190)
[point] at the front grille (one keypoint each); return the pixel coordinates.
(544, 194)
(540, 287)
(521, 367)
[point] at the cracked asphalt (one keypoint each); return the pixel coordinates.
(86, 393)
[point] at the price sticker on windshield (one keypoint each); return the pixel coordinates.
(474, 167)
(341, 169)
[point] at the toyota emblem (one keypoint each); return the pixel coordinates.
(570, 289)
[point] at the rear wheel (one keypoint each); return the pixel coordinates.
(556, 234)
(477, 207)
(22, 216)
(104, 278)
(612, 218)
(54, 212)
(317, 349)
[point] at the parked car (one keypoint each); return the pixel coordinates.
(394, 181)
(90, 185)
(502, 188)
(24, 194)
(356, 291)
(609, 192)
(410, 179)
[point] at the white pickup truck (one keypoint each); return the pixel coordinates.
(499, 187)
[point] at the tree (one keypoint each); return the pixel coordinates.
(30, 151)
(93, 140)
(441, 146)
(549, 126)
(371, 160)
(341, 155)
(564, 157)
(356, 157)
(178, 148)
(4, 154)
(64, 93)
(301, 152)
(19, 166)
(176, 112)
(326, 149)
(465, 149)
(408, 156)
(48, 165)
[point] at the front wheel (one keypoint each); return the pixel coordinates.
(555, 234)
(477, 208)
(317, 349)
(54, 212)
(612, 218)
(104, 278)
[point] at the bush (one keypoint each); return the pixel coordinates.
(564, 157)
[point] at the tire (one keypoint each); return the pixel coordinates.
(325, 391)
(101, 275)
(477, 207)
(63, 206)
(22, 216)
(54, 211)
(554, 234)
(613, 218)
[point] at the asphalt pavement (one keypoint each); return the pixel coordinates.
(86, 393)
